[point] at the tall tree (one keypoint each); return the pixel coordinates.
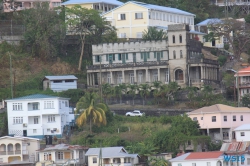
(132, 91)
(240, 30)
(144, 91)
(86, 23)
(95, 113)
(154, 34)
(44, 29)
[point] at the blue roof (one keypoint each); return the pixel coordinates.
(208, 21)
(35, 96)
(63, 77)
(74, 2)
(156, 7)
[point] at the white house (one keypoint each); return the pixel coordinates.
(242, 132)
(18, 150)
(111, 156)
(62, 154)
(60, 83)
(38, 115)
(214, 158)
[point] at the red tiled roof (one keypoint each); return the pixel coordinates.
(247, 69)
(204, 155)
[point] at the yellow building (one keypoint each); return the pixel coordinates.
(18, 150)
(100, 5)
(132, 18)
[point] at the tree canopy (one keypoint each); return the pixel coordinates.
(154, 34)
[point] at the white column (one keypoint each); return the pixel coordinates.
(147, 75)
(111, 77)
(135, 76)
(123, 78)
(87, 78)
(158, 74)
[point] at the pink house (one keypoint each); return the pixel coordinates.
(244, 81)
(17, 5)
(219, 121)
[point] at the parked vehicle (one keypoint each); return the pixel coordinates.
(135, 113)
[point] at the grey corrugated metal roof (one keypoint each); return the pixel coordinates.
(243, 127)
(63, 77)
(72, 2)
(34, 96)
(109, 152)
(196, 32)
(208, 21)
(156, 7)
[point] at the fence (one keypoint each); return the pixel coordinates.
(11, 28)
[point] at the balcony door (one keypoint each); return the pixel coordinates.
(123, 58)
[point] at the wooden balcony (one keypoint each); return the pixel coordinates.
(126, 65)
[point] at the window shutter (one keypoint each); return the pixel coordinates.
(141, 55)
(126, 56)
(148, 55)
(154, 54)
(95, 58)
(161, 54)
(113, 57)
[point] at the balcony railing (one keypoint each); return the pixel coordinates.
(3, 152)
(200, 60)
(129, 64)
(245, 84)
(10, 152)
(18, 152)
(195, 81)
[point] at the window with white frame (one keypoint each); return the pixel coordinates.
(60, 155)
(35, 106)
(208, 163)
(166, 76)
(242, 133)
(34, 131)
(122, 16)
(155, 77)
(122, 35)
(119, 78)
(138, 16)
(56, 4)
(48, 104)
(153, 15)
(140, 76)
(139, 35)
(17, 107)
(36, 119)
(51, 118)
(94, 160)
(17, 120)
(131, 78)
(213, 118)
(193, 164)
(181, 55)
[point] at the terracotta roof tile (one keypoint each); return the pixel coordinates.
(204, 155)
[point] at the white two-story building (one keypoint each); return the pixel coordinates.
(38, 115)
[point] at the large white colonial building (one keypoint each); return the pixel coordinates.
(38, 115)
(179, 59)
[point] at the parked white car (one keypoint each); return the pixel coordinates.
(135, 113)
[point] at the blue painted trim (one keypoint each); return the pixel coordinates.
(42, 136)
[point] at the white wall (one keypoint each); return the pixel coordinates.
(244, 138)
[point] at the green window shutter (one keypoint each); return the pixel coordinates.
(148, 55)
(107, 58)
(126, 56)
(161, 54)
(113, 57)
(141, 55)
(155, 55)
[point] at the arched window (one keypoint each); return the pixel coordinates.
(180, 39)
(181, 56)
(173, 38)
(174, 54)
(179, 75)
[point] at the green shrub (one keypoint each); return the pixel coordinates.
(222, 60)
(213, 51)
(226, 46)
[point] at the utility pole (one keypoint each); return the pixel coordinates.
(238, 89)
(11, 83)
(100, 83)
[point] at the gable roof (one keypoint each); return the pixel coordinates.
(217, 108)
(74, 2)
(242, 72)
(155, 7)
(110, 152)
(62, 77)
(243, 127)
(36, 96)
(198, 156)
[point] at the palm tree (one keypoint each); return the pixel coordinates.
(144, 91)
(169, 91)
(106, 91)
(156, 93)
(154, 34)
(132, 91)
(95, 112)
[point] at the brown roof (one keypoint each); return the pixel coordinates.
(204, 155)
(219, 108)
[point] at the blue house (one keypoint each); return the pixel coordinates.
(60, 83)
